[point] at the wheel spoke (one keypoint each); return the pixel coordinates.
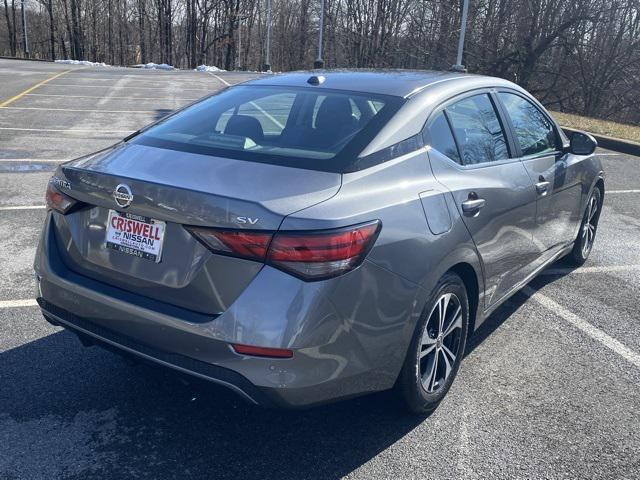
(456, 322)
(434, 373)
(592, 208)
(447, 355)
(428, 350)
(443, 305)
(426, 338)
(428, 376)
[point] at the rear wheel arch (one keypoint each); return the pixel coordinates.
(600, 186)
(469, 277)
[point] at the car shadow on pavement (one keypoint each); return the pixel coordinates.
(74, 412)
(67, 411)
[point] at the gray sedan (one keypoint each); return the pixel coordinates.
(313, 236)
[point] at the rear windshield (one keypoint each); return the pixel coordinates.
(301, 127)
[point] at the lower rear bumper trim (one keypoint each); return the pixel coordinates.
(212, 373)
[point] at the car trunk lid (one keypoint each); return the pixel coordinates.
(177, 189)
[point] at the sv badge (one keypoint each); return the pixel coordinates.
(245, 220)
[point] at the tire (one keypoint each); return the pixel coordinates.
(587, 234)
(434, 348)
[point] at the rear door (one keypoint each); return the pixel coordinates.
(556, 181)
(471, 156)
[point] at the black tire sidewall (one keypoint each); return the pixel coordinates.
(577, 256)
(415, 396)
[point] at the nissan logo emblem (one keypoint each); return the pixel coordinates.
(122, 195)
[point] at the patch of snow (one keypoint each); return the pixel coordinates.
(155, 66)
(208, 68)
(83, 62)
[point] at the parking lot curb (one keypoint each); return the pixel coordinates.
(612, 143)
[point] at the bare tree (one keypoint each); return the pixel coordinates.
(581, 56)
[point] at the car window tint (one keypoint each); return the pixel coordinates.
(533, 131)
(478, 130)
(356, 114)
(441, 137)
(280, 125)
(271, 111)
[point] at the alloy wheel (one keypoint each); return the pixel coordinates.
(440, 343)
(589, 226)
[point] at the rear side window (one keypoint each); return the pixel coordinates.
(477, 130)
(441, 138)
(533, 131)
(300, 127)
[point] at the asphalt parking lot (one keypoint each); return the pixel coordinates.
(550, 387)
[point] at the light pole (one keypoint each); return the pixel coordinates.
(25, 40)
(459, 67)
(319, 63)
(241, 18)
(267, 59)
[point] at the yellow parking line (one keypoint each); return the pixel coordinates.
(20, 95)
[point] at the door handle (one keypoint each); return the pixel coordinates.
(473, 205)
(542, 187)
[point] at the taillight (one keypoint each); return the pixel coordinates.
(312, 255)
(319, 255)
(56, 200)
(237, 243)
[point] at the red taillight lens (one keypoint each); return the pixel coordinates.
(56, 200)
(319, 255)
(314, 255)
(262, 351)
(238, 243)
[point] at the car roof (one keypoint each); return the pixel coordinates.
(400, 83)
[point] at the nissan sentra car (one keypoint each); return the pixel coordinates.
(308, 237)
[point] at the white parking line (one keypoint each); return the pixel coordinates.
(110, 98)
(203, 89)
(584, 326)
(609, 154)
(74, 130)
(34, 160)
(613, 268)
(27, 302)
(22, 207)
(141, 78)
(79, 110)
(219, 78)
(267, 114)
(622, 191)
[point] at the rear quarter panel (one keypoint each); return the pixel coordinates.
(406, 261)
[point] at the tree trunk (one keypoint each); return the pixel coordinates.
(11, 27)
(52, 29)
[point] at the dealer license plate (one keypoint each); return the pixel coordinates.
(135, 235)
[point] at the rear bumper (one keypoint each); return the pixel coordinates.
(100, 336)
(335, 355)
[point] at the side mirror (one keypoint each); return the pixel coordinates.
(582, 143)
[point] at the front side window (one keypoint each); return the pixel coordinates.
(281, 125)
(478, 131)
(533, 131)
